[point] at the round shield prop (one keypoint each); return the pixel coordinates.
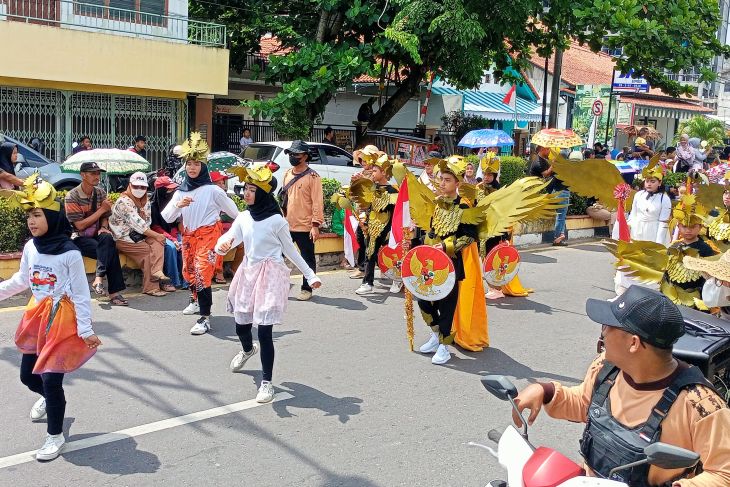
(501, 265)
(390, 261)
(428, 273)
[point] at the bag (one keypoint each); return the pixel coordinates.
(91, 231)
(284, 193)
(136, 237)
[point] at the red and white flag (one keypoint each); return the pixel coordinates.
(401, 216)
(350, 237)
(511, 98)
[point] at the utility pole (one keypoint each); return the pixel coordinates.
(610, 103)
(544, 95)
(555, 91)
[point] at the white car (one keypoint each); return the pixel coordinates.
(328, 160)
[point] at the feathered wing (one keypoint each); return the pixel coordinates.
(521, 200)
(416, 266)
(422, 201)
(592, 178)
(641, 259)
(710, 195)
(676, 270)
(14, 198)
(362, 192)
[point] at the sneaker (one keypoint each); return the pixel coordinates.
(201, 327)
(304, 295)
(192, 309)
(357, 274)
(38, 411)
(431, 345)
(364, 289)
(266, 393)
(441, 356)
(494, 294)
(241, 357)
(51, 448)
(396, 287)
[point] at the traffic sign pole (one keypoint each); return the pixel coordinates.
(610, 102)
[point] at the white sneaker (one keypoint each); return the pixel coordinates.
(431, 345)
(38, 411)
(241, 357)
(396, 287)
(441, 356)
(201, 327)
(494, 294)
(266, 393)
(364, 289)
(192, 309)
(51, 448)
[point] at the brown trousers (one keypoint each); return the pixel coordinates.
(149, 256)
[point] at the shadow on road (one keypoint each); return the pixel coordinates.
(527, 304)
(338, 303)
(590, 248)
(306, 397)
(121, 457)
(537, 258)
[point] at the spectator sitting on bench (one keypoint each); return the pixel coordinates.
(172, 267)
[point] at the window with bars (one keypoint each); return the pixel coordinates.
(132, 11)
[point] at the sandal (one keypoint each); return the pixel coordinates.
(158, 293)
(167, 287)
(219, 280)
(119, 300)
(99, 289)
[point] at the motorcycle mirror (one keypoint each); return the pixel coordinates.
(500, 387)
(667, 456)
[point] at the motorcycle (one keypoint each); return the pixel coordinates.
(530, 466)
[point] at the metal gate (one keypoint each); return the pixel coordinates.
(59, 118)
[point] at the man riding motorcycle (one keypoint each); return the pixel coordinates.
(636, 393)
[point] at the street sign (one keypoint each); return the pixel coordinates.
(627, 82)
(597, 108)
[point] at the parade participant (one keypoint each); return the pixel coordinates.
(200, 203)
(172, 260)
(636, 393)
(541, 167)
(428, 176)
(221, 180)
(259, 290)
(489, 165)
(55, 334)
(379, 218)
(363, 158)
(716, 290)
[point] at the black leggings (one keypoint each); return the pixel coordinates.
(205, 301)
(48, 385)
(266, 342)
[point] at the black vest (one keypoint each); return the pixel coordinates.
(607, 444)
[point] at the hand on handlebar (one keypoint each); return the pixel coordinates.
(530, 398)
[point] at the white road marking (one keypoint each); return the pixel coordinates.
(144, 429)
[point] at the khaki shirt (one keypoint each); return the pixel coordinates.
(305, 203)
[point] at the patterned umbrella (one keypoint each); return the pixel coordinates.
(486, 138)
(561, 139)
(113, 161)
(220, 161)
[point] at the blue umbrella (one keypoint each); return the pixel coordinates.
(486, 138)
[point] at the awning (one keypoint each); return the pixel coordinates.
(489, 105)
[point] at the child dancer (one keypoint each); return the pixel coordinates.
(55, 334)
(200, 203)
(259, 290)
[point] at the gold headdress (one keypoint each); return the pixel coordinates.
(259, 175)
(653, 170)
(36, 193)
(369, 154)
(689, 212)
(384, 163)
(455, 165)
(195, 148)
(490, 163)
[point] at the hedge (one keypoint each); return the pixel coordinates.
(14, 229)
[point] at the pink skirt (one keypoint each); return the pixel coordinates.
(259, 292)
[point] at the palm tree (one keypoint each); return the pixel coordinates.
(713, 131)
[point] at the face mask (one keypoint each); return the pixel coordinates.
(294, 160)
(138, 193)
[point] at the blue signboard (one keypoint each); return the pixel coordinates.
(627, 82)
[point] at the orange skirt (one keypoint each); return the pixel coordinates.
(50, 332)
(199, 256)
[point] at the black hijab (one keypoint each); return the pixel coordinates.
(189, 184)
(6, 153)
(160, 198)
(57, 240)
(265, 205)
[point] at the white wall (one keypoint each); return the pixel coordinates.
(343, 108)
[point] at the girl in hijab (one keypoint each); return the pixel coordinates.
(259, 291)
(8, 158)
(684, 155)
(172, 266)
(200, 203)
(55, 335)
(130, 223)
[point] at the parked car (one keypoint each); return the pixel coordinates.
(31, 161)
(328, 160)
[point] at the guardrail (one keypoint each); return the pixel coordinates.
(71, 14)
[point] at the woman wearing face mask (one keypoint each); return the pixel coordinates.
(130, 223)
(8, 159)
(172, 267)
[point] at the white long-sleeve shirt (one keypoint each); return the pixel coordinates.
(208, 202)
(265, 239)
(56, 276)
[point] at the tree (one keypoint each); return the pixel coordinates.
(332, 42)
(713, 131)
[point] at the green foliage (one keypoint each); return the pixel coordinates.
(713, 131)
(674, 179)
(511, 169)
(460, 124)
(240, 203)
(329, 187)
(578, 204)
(14, 230)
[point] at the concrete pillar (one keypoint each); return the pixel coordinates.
(204, 117)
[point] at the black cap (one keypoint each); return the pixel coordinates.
(649, 314)
(298, 147)
(90, 167)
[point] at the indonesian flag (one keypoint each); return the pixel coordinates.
(511, 98)
(401, 216)
(350, 237)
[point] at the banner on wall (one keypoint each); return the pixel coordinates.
(586, 97)
(625, 115)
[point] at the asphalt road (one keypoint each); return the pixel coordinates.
(355, 407)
